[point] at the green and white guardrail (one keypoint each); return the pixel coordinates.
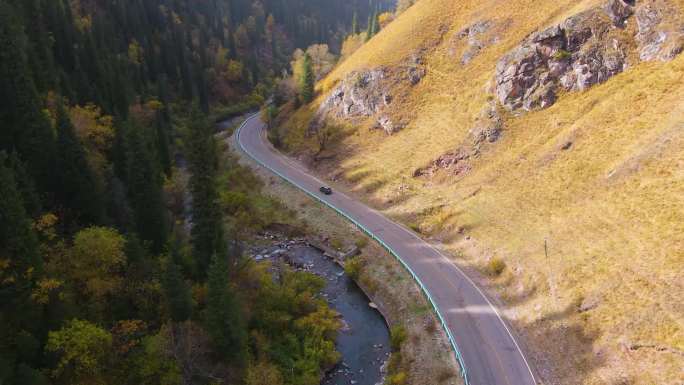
(454, 346)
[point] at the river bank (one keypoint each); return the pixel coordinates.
(364, 339)
(425, 356)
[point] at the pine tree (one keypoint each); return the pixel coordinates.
(355, 24)
(18, 247)
(177, 293)
(17, 241)
(77, 192)
(144, 189)
(207, 230)
(25, 127)
(164, 126)
(22, 267)
(369, 28)
(202, 91)
(224, 321)
(308, 80)
(25, 185)
(375, 25)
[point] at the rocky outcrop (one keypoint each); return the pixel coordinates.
(487, 129)
(365, 94)
(361, 94)
(456, 162)
(661, 31)
(584, 50)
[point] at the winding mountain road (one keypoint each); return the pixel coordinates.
(486, 347)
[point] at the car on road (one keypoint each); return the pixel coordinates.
(326, 190)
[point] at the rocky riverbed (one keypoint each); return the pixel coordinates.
(363, 340)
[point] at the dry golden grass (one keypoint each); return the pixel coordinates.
(611, 207)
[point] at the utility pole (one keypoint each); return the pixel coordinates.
(548, 262)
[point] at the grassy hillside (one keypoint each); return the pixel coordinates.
(598, 177)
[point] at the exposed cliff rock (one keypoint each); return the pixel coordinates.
(585, 49)
(361, 94)
(368, 94)
(661, 31)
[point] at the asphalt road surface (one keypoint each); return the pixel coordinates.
(488, 349)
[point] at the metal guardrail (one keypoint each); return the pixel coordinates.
(426, 293)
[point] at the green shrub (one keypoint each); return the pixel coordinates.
(394, 364)
(415, 227)
(495, 267)
(369, 285)
(398, 379)
(336, 244)
(353, 267)
(561, 54)
(397, 337)
(361, 243)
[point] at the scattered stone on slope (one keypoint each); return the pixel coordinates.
(586, 49)
(475, 38)
(385, 122)
(487, 129)
(415, 74)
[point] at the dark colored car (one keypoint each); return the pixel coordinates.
(326, 190)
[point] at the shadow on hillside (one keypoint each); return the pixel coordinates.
(578, 358)
(558, 344)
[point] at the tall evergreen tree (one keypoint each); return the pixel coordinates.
(207, 230)
(164, 126)
(223, 318)
(25, 127)
(369, 27)
(308, 80)
(25, 185)
(144, 189)
(176, 293)
(376, 24)
(18, 243)
(355, 24)
(77, 193)
(22, 266)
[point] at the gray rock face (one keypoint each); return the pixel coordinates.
(360, 94)
(619, 11)
(572, 55)
(661, 31)
(585, 49)
(367, 94)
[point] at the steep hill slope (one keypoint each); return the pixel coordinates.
(541, 143)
